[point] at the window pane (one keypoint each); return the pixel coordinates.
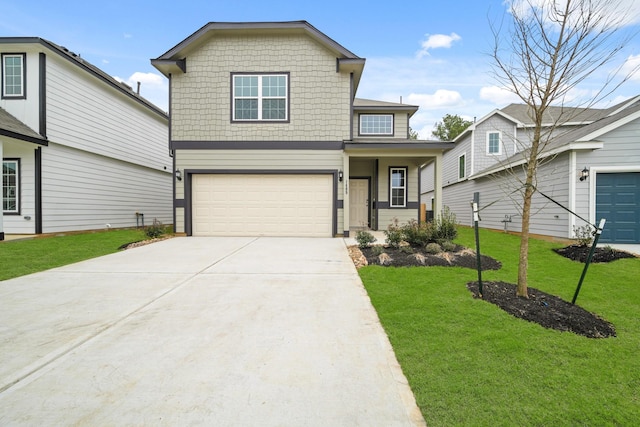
(12, 73)
(397, 178)
(10, 186)
(246, 109)
(461, 167)
(376, 124)
(274, 86)
(273, 109)
(494, 143)
(246, 86)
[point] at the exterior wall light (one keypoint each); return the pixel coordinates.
(340, 176)
(584, 174)
(178, 175)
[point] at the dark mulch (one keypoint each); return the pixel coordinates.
(602, 254)
(544, 309)
(415, 257)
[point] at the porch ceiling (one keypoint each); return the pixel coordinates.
(408, 148)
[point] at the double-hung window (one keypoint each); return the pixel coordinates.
(397, 187)
(493, 143)
(376, 124)
(462, 167)
(260, 97)
(10, 186)
(13, 75)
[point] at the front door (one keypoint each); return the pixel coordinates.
(359, 203)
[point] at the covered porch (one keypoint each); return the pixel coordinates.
(382, 182)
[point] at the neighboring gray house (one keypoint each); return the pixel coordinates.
(269, 138)
(79, 150)
(605, 143)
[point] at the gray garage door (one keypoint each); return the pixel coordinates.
(618, 200)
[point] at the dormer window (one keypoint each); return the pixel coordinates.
(376, 124)
(260, 97)
(13, 75)
(494, 145)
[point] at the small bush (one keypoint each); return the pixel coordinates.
(584, 234)
(364, 239)
(377, 250)
(394, 234)
(155, 230)
(448, 246)
(418, 234)
(407, 249)
(445, 226)
(433, 248)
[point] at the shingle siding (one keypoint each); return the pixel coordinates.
(319, 95)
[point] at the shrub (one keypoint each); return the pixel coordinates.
(155, 230)
(377, 250)
(584, 234)
(445, 226)
(407, 249)
(448, 246)
(418, 234)
(433, 248)
(394, 234)
(364, 239)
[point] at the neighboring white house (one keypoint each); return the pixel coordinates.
(604, 143)
(79, 149)
(270, 139)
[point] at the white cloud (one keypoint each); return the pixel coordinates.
(631, 68)
(498, 95)
(441, 98)
(153, 87)
(437, 41)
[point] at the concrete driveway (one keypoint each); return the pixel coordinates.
(200, 331)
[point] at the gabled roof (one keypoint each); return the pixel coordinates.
(173, 61)
(565, 115)
(370, 104)
(580, 138)
(86, 66)
(14, 128)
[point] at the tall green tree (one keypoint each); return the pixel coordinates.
(450, 127)
(549, 48)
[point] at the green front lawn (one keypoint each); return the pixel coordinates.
(470, 363)
(20, 257)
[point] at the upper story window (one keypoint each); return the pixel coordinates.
(376, 124)
(10, 186)
(493, 143)
(462, 166)
(397, 187)
(13, 75)
(260, 97)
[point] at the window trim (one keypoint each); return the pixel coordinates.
(361, 115)
(499, 153)
(18, 188)
(23, 57)
(462, 172)
(285, 74)
(405, 170)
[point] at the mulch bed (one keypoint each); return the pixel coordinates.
(544, 309)
(580, 252)
(403, 257)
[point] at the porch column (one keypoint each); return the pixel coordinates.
(437, 186)
(345, 194)
(2, 215)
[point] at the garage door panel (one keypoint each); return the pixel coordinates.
(274, 205)
(618, 200)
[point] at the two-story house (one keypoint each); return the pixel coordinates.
(80, 151)
(591, 166)
(268, 137)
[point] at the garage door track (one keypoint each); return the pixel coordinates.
(200, 331)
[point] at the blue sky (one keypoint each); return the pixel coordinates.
(430, 53)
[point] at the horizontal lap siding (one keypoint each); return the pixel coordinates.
(276, 160)
(547, 218)
(84, 191)
(85, 113)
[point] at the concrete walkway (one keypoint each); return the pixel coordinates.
(200, 331)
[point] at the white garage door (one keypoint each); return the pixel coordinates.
(262, 205)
